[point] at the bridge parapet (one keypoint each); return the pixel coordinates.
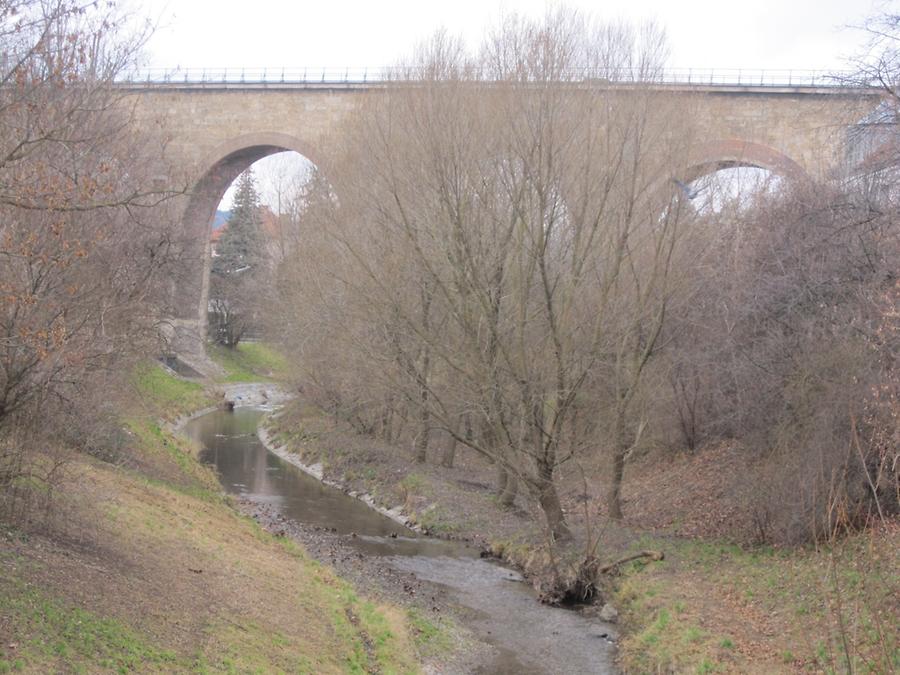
(688, 78)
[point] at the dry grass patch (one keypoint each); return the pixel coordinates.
(184, 577)
(713, 607)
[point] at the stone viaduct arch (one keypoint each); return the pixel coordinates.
(225, 164)
(214, 131)
(208, 183)
(712, 156)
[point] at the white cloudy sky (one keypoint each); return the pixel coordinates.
(798, 34)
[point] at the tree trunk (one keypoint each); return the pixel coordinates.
(507, 487)
(422, 438)
(613, 500)
(387, 421)
(422, 377)
(507, 496)
(620, 447)
(502, 478)
(550, 505)
(449, 454)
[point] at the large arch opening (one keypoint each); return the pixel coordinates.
(279, 159)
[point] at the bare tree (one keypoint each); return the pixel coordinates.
(86, 249)
(509, 234)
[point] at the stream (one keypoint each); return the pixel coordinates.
(527, 637)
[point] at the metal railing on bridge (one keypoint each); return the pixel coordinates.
(724, 77)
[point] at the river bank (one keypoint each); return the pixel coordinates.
(713, 605)
(717, 603)
(317, 471)
(455, 503)
(141, 565)
(433, 617)
(432, 575)
(444, 645)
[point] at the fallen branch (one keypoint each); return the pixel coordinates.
(653, 555)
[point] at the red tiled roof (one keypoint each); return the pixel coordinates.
(270, 225)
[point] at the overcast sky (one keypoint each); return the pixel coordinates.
(752, 34)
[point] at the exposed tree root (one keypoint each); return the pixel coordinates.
(584, 586)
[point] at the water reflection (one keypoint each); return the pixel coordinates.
(246, 468)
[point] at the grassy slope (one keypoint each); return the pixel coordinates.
(249, 362)
(149, 569)
(715, 607)
(162, 395)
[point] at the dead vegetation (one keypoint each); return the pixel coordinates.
(500, 270)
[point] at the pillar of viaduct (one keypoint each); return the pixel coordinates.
(213, 132)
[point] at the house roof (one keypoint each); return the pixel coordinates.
(271, 225)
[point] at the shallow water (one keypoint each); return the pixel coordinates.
(529, 637)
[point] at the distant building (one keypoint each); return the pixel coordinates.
(872, 153)
(214, 237)
(873, 143)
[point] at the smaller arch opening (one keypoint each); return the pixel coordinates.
(731, 187)
(734, 174)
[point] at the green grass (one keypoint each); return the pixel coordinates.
(432, 637)
(669, 643)
(800, 591)
(52, 636)
(161, 448)
(413, 484)
(436, 520)
(166, 394)
(249, 362)
(246, 647)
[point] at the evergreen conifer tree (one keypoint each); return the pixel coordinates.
(238, 268)
(241, 245)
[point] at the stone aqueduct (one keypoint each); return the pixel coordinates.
(216, 130)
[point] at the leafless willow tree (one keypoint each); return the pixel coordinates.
(498, 238)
